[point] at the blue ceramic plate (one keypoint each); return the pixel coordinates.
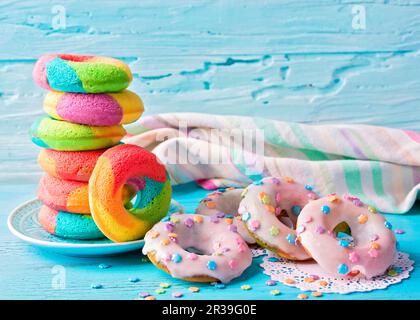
(24, 224)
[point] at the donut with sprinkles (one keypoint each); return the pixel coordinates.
(197, 248)
(224, 203)
(372, 249)
(270, 208)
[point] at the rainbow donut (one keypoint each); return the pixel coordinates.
(72, 196)
(65, 136)
(68, 225)
(224, 203)
(215, 251)
(270, 208)
(374, 246)
(116, 167)
(102, 109)
(83, 74)
(64, 195)
(69, 165)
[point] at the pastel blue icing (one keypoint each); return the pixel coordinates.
(62, 77)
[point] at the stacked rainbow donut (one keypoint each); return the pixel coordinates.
(87, 104)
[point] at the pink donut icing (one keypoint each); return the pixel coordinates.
(225, 204)
(225, 255)
(100, 109)
(374, 248)
(269, 209)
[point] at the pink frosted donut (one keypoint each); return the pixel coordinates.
(374, 247)
(101, 109)
(224, 203)
(197, 248)
(270, 208)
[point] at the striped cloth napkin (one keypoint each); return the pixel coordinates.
(379, 165)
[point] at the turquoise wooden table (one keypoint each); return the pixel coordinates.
(27, 272)
(312, 61)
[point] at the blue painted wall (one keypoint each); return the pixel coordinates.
(308, 61)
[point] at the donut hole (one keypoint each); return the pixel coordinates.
(285, 218)
(131, 204)
(195, 250)
(342, 231)
(143, 196)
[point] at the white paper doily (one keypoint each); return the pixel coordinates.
(308, 276)
(256, 252)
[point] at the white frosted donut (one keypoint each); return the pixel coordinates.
(173, 243)
(224, 203)
(374, 245)
(263, 207)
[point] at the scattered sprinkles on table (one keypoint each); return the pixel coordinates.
(104, 266)
(160, 291)
(134, 279)
(165, 285)
(302, 296)
(177, 294)
(316, 294)
(275, 292)
(194, 289)
(96, 286)
(246, 287)
(271, 282)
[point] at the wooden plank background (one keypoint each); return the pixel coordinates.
(292, 60)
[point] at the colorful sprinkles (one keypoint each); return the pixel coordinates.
(325, 209)
(165, 285)
(177, 294)
(275, 292)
